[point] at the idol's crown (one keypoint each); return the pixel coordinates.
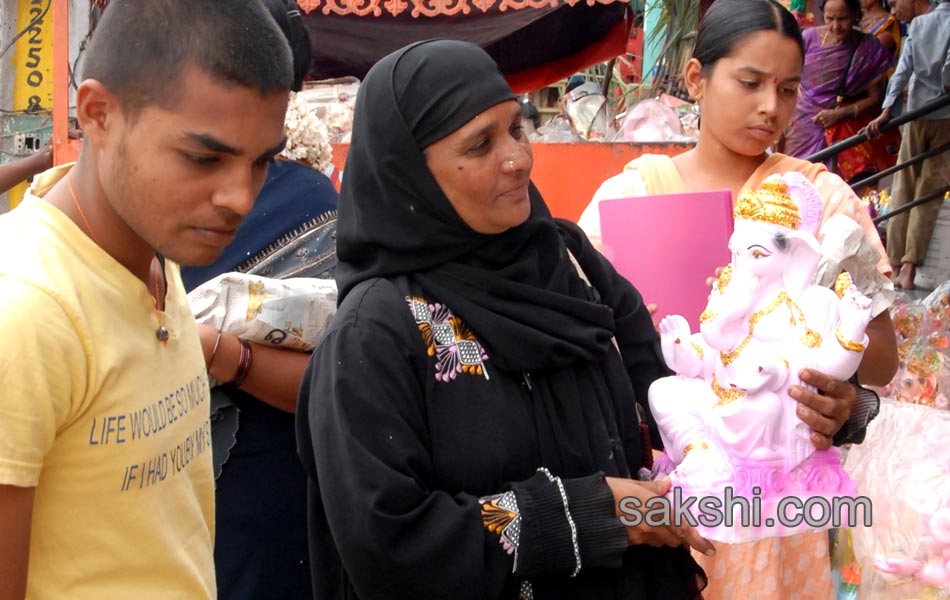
(770, 204)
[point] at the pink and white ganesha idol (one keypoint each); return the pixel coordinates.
(726, 419)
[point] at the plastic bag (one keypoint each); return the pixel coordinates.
(650, 121)
(290, 313)
(903, 466)
(557, 130)
(589, 113)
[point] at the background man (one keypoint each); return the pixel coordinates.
(924, 66)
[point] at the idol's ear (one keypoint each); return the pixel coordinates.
(806, 195)
(802, 262)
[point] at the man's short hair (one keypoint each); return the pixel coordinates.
(140, 48)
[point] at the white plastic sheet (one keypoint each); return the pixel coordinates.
(903, 466)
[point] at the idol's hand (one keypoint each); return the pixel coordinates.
(677, 347)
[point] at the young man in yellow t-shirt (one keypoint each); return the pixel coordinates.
(106, 486)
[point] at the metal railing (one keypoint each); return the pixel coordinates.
(860, 138)
(913, 161)
(941, 193)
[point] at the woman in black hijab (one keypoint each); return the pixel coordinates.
(467, 421)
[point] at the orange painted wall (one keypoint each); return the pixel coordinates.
(568, 174)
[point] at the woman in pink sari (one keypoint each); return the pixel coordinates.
(841, 89)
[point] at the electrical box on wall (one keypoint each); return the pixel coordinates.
(23, 135)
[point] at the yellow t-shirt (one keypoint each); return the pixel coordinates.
(108, 424)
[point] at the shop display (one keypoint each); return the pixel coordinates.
(923, 346)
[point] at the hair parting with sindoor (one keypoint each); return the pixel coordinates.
(728, 22)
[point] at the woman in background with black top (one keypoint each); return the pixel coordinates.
(467, 420)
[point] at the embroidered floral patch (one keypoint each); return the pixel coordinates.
(501, 516)
(526, 592)
(448, 339)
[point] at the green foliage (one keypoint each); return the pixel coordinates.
(676, 30)
(677, 26)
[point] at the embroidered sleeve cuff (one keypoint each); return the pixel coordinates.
(501, 516)
(601, 535)
(866, 406)
(546, 546)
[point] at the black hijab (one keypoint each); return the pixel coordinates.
(517, 290)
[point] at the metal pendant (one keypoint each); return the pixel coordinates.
(162, 334)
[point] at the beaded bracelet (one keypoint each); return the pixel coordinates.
(244, 364)
(214, 350)
(570, 520)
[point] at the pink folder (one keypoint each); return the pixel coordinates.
(667, 246)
